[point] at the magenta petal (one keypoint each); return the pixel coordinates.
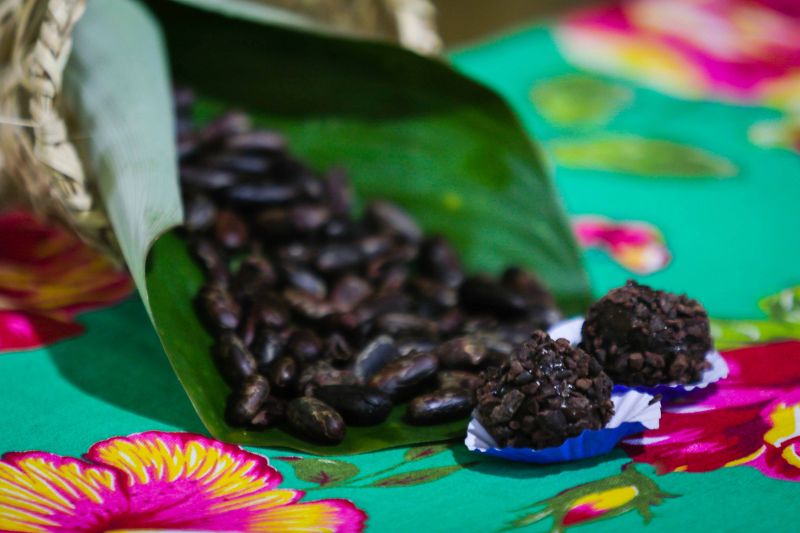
(20, 330)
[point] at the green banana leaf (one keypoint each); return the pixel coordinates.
(408, 128)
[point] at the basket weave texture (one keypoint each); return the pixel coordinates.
(37, 158)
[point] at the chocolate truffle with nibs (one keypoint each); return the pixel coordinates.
(643, 336)
(546, 393)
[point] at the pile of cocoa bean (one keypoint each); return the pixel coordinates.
(322, 318)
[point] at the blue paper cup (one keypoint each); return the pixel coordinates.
(634, 412)
(718, 368)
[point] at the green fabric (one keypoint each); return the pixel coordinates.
(734, 241)
(112, 381)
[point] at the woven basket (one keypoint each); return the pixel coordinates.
(38, 163)
(36, 156)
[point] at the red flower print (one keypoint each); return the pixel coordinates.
(46, 277)
(750, 418)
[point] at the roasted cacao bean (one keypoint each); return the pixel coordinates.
(266, 347)
(305, 345)
(306, 281)
(235, 362)
(459, 379)
(255, 274)
(340, 194)
(200, 213)
(462, 352)
(338, 257)
(272, 413)
(246, 402)
(315, 420)
(375, 355)
(406, 325)
(322, 373)
(440, 406)
(230, 230)
(337, 349)
(389, 217)
(349, 292)
(402, 377)
(206, 179)
(256, 142)
(358, 405)
(282, 374)
(438, 260)
(259, 193)
(219, 311)
(210, 258)
(481, 294)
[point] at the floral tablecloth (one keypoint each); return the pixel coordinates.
(673, 130)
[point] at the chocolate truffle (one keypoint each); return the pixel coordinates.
(643, 336)
(547, 392)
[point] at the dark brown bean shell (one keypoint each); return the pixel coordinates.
(459, 379)
(321, 374)
(255, 274)
(282, 374)
(244, 403)
(206, 179)
(407, 346)
(374, 356)
(227, 124)
(438, 260)
(261, 193)
(266, 347)
(337, 349)
(349, 292)
(406, 325)
(212, 261)
(234, 360)
(241, 163)
(218, 310)
(340, 194)
(256, 141)
(200, 213)
(305, 345)
(440, 406)
(307, 218)
(338, 257)
(270, 310)
(272, 413)
(389, 217)
(230, 230)
(305, 280)
(315, 420)
(307, 305)
(482, 294)
(358, 405)
(462, 352)
(405, 375)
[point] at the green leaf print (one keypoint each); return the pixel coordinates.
(423, 452)
(416, 477)
(628, 154)
(321, 471)
(575, 100)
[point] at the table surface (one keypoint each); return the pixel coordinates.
(676, 154)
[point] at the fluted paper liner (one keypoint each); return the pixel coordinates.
(634, 412)
(571, 330)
